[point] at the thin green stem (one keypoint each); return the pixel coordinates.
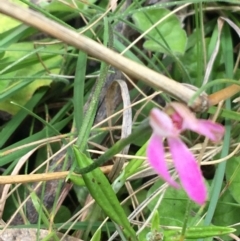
(184, 227)
(218, 179)
(227, 48)
(115, 149)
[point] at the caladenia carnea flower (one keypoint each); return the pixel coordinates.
(168, 124)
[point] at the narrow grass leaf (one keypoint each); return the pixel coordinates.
(12, 125)
(135, 164)
(78, 96)
(8, 156)
(131, 168)
(225, 113)
(39, 208)
(91, 112)
(12, 36)
(96, 236)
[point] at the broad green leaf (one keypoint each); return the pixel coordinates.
(77, 180)
(167, 37)
(197, 232)
(192, 233)
(233, 177)
(21, 89)
(63, 215)
(204, 232)
(173, 206)
(155, 221)
(227, 213)
(144, 235)
(22, 96)
(9, 22)
(102, 192)
(65, 6)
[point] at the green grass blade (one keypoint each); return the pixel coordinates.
(78, 96)
(219, 175)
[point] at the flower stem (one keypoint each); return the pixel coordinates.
(142, 128)
(184, 227)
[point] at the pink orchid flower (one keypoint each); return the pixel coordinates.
(168, 124)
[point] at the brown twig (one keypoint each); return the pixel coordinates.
(19, 179)
(223, 94)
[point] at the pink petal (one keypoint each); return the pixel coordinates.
(162, 124)
(188, 170)
(213, 131)
(155, 154)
